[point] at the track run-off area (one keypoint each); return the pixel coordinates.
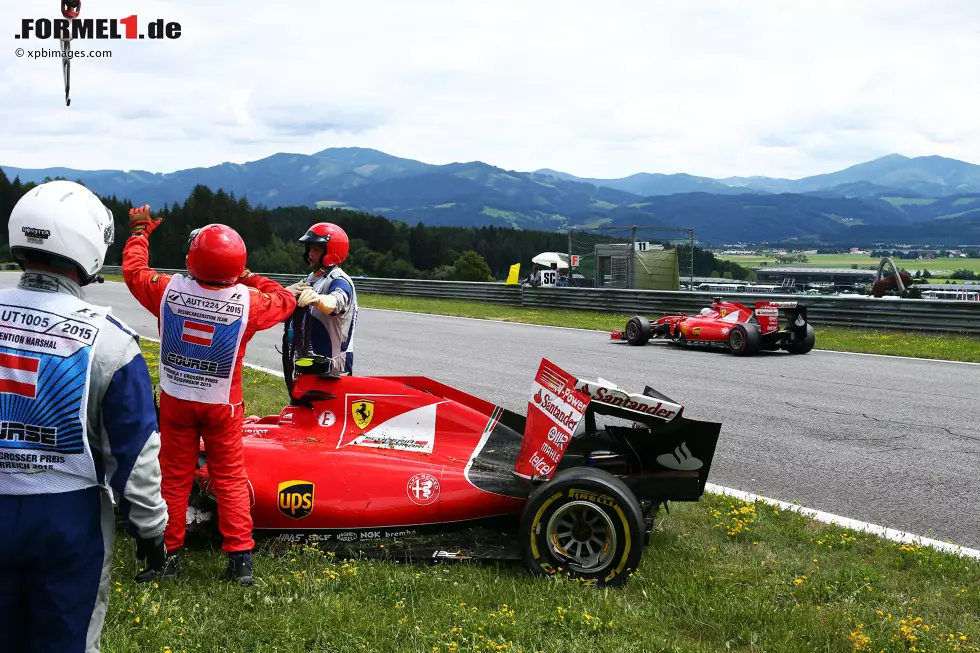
(885, 440)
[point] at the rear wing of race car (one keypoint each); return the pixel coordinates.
(768, 315)
(674, 452)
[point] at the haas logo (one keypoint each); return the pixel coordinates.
(680, 459)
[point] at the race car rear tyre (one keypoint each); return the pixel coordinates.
(638, 330)
(805, 345)
(586, 523)
(744, 339)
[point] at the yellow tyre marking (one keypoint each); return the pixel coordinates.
(626, 530)
(537, 518)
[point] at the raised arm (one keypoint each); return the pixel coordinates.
(145, 283)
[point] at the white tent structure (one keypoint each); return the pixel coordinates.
(547, 258)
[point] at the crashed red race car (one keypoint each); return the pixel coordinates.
(737, 327)
(433, 472)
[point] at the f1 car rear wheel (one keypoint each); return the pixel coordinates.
(805, 345)
(744, 339)
(638, 330)
(584, 522)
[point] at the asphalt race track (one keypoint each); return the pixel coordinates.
(886, 440)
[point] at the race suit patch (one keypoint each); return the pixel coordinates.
(202, 332)
(46, 344)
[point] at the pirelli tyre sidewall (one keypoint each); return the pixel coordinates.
(607, 503)
(638, 330)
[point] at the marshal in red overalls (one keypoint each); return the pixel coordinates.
(205, 321)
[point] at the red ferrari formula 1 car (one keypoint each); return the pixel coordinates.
(432, 472)
(741, 329)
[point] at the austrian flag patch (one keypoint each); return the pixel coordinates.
(18, 375)
(197, 333)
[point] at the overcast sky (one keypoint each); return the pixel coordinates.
(603, 88)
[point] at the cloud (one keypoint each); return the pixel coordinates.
(605, 89)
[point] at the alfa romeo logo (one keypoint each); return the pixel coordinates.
(423, 489)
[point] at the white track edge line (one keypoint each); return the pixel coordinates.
(819, 515)
(847, 522)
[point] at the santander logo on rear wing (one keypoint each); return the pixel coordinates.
(606, 393)
(554, 410)
(556, 407)
(768, 314)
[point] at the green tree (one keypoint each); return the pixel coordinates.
(470, 266)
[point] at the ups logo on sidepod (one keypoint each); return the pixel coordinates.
(296, 498)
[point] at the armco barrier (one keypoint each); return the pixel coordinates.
(903, 314)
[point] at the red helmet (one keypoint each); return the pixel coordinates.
(217, 255)
(334, 239)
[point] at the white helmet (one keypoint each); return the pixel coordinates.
(66, 221)
(705, 311)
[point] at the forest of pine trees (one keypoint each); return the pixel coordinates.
(379, 247)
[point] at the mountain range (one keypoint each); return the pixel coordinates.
(891, 198)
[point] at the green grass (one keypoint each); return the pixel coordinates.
(720, 575)
(943, 347)
(845, 261)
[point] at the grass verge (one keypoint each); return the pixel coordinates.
(720, 575)
(943, 347)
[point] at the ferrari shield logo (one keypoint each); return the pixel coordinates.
(362, 410)
(296, 498)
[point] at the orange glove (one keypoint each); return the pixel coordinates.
(140, 221)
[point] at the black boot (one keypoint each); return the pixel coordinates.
(172, 568)
(240, 567)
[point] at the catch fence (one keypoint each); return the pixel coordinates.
(631, 257)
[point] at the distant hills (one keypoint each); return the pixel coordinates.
(926, 176)
(890, 198)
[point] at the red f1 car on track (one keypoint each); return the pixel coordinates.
(741, 329)
(432, 472)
